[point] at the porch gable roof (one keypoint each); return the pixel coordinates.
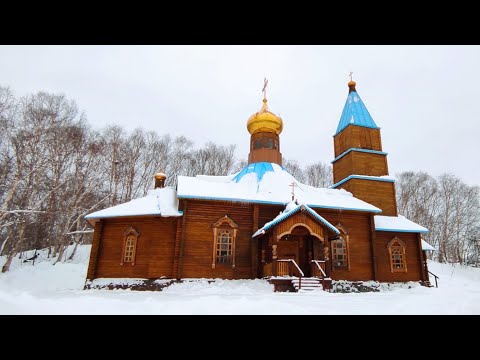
(290, 211)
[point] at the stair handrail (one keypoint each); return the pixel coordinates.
(436, 277)
(317, 262)
(294, 263)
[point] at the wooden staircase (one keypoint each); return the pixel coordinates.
(307, 284)
(289, 277)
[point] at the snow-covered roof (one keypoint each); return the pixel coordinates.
(355, 112)
(161, 201)
(267, 183)
(426, 246)
(290, 210)
(397, 224)
(386, 178)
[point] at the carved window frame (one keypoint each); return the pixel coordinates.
(397, 247)
(345, 240)
(130, 232)
(221, 227)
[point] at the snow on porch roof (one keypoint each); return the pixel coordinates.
(291, 210)
(266, 183)
(426, 246)
(397, 224)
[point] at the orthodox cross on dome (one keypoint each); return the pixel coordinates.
(264, 90)
(293, 184)
(351, 73)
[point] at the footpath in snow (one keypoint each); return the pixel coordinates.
(48, 289)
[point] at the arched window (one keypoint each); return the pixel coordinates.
(396, 249)
(340, 250)
(224, 234)
(224, 246)
(130, 240)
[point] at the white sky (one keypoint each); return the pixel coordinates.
(422, 97)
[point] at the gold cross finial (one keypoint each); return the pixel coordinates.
(351, 73)
(264, 90)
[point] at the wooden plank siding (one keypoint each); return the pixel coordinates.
(357, 225)
(378, 193)
(160, 243)
(199, 241)
(359, 163)
(412, 254)
(154, 253)
(92, 264)
(354, 136)
(268, 213)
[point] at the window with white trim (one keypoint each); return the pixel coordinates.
(224, 235)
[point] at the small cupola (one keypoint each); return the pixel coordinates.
(160, 180)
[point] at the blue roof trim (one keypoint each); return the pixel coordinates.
(378, 128)
(359, 150)
(374, 178)
(343, 208)
(230, 199)
(270, 202)
(293, 212)
(117, 216)
(355, 112)
(259, 168)
(280, 219)
(401, 230)
(322, 219)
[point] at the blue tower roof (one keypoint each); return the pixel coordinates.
(356, 113)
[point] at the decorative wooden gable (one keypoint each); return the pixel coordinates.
(301, 218)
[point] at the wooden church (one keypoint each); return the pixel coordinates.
(263, 223)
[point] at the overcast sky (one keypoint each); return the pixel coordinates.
(424, 98)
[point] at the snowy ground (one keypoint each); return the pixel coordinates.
(47, 289)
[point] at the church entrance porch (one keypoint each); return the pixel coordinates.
(302, 247)
(297, 253)
(292, 247)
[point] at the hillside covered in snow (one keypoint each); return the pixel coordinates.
(44, 288)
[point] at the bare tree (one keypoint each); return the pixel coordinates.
(319, 175)
(447, 207)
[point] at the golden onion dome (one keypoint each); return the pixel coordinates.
(264, 121)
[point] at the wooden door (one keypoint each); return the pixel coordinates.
(288, 249)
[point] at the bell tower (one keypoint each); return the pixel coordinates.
(265, 128)
(360, 165)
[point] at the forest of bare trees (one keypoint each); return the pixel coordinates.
(55, 168)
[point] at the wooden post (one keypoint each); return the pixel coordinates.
(92, 265)
(176, 254)
(326, 257)
(423, 259)
(182, 241)
(274, 260)
(254, 244)
(372, 242)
